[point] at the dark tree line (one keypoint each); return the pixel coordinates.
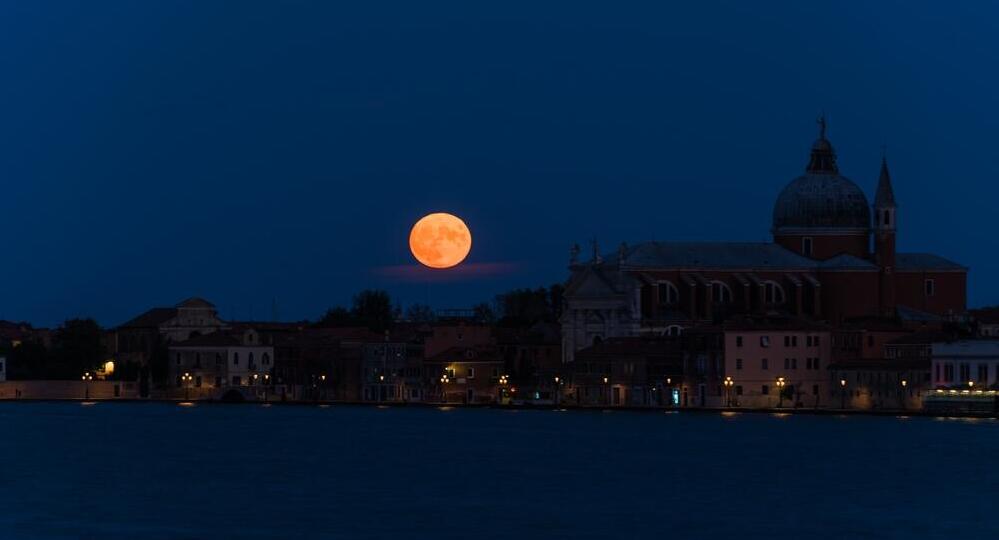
(77, 347)
(373, 309)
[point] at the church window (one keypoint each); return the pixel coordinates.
(774, 292)
(235, 359)
(674, 330)
(806, 246)
(930, 286)
(668, 294)
(721, 293)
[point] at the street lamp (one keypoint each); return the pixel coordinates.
(728, 391)
(607, 391)
(780, 391)
(842, 385)
(557, 391)
(87, 377)
(186, 379)
(905, 383)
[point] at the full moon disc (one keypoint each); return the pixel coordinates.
(440, 240)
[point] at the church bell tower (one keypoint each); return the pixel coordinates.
(884, 240)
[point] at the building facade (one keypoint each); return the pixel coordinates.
(832, 259)
(212, 363)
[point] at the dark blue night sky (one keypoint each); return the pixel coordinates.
(278, 152)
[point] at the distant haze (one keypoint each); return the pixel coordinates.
(262, 153)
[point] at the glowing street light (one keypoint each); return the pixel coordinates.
(728, 391)
(780, 391)
(842, 386)
(87, 377)
(186, 379)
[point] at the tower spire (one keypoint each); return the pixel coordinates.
(885, 195)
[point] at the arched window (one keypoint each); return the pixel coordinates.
(218, 359)
(773, 292)
(235, 358)
(266, 359)
(667, 293)
(721, 293)
(249, 360)
(673, 330)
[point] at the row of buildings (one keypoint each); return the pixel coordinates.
(829, 314)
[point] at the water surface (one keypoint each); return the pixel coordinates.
(154, 470)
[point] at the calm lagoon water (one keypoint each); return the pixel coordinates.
(153, 470)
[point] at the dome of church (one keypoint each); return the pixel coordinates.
(821, 198)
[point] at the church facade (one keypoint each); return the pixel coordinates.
(832, 260)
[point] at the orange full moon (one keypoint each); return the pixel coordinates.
(440, 240)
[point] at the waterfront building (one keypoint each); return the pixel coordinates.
(966, 364)
(986, 321)
(393, 371)
(897, 379)
(774, 362)
(469, 374)
(210, 364)
(628, 371)
(965, 376)
(322, 363)
(832, 259)
(142, 342)
(532, 360)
